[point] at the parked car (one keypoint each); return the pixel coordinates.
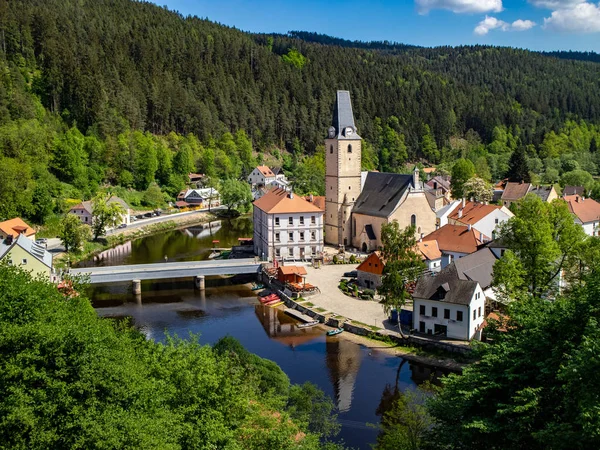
(148, 214)
(351, 274)
(123, 225)
(158, 212)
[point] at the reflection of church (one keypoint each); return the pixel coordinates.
(343, 361)
(282, 328)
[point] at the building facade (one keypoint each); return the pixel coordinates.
(287, 227)
(261, 176)
(25, 253)
(84, 211)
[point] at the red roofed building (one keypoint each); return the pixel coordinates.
(485, 218)
(287, 227)
(586, 211)
(261, 176)
(15, 227)
(456, 241)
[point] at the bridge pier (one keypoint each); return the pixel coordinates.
(199, 282)
(137, 287)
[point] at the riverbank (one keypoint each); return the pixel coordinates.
(62, 260)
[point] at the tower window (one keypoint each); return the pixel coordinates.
(413, 220)
(331, 149)
(349, 148)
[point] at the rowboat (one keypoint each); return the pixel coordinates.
(334, 332)
(308, 324)
(269, 298)
(256, 287)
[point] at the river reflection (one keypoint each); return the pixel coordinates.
(356, 377)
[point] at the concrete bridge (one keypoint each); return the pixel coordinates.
(160, 271)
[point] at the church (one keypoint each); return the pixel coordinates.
(358, 204)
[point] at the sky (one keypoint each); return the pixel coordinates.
(533, 24)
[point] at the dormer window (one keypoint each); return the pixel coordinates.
(349, 148)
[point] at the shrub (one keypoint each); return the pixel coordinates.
(334, 260)
(352, 259)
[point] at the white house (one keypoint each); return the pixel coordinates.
(287, 227)
(483, 217)
(441, 215)
(447, 305)
(587, 213)
(204, 197)
(262, 176)
(431, 255)
(84, 211)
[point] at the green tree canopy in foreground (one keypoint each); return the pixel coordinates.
(70, 379)
(236, 194)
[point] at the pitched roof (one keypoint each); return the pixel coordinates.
(439, 182)
(265, 171)
(457, 238)
(374, 263)
(542, 192)
(381, 193)
(277, 170)
(574, 190)
(445, 286)
(586, 209)
(35, 250)
(289, 270)
(343, 117)
(15, 227)
(429, 250)
(477, 266)
(282, 201)
(317, 200)
(472, 212)
(515, 191)
(87, 205)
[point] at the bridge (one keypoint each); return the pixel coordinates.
(161, 271)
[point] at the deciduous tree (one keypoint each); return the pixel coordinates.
(73, 233)
(105, 214)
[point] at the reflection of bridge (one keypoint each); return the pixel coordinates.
(161, 271)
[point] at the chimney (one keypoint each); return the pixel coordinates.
(577, 198)
(416, 177)
(460, 213)
(422, 234)
(480, 237)
(582, 199)
(9, 239)
(469, 227)
(463, 202)
(311, 198)
(291, 194)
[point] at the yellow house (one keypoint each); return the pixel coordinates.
(25, 253)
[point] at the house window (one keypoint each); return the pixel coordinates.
(291, 237)
(313, 220)
(314, 251)
(277, 252)
(474, 314)
(276, 221)
(86, 219)
(277, 237)
(349, 148)
(301, 220)
(302, 235)
(497, 221)
(413, 220)
(446, 313)
(422, 310)
(331, 149)
(349, 188)
(479, 311)
(291, 221)
(459, 316)
(434, 312)
(24, 261)
(313, 236)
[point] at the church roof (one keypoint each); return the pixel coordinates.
(381, 193)
(343, 117)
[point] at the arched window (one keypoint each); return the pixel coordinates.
(349, 148)
(413, 220)
(331, 149)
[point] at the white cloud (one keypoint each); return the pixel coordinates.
(581, 18)
(522, 25)
(491, 23)
(459, 6)
(556, 4)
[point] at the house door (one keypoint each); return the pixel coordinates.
(301, 252)
(421, 327)
(364, 247)
(440, 330)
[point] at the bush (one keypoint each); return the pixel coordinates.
(352, 259)
(334, 260)
(369, 292)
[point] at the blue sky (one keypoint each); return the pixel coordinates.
(533, 24)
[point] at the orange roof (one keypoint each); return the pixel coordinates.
(281, 201)
(429, 249)
(317, 200)
(586, 209)
(266, 171)
(473, 212)
(16, 226)
(457, 238)
(291, 270)
(373, 264)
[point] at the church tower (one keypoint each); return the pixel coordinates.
(342, 172)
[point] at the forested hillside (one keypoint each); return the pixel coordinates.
(129, 93)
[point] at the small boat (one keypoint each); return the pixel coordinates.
(308, 324)
(269, 298)
(274, 304)
(334, 332)
(257, 286)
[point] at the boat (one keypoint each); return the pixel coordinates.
(308, 324)
(334, 332)
(269, 298)
(275, 303)
(257, 286)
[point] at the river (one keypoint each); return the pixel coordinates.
(356, 377)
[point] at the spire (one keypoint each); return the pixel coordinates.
(342, 126)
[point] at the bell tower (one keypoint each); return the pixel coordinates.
(342, 172)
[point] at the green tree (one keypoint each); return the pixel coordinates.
(73, 233)
(429, 146)
(145, 162)
(106, 213)
(518, 168)
(42, 203)
(402, 265)
(153, 196)
(478, 189)
(309, 177)
(236, 195)
(70, 159)
(183, 162)
(295, 58)
(462, 171)
(577, 178)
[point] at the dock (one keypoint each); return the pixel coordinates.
(298, 315)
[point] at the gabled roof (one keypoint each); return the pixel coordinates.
(277, 170)
(290, 270)
(381, 193)
(574, 190)
(15, 227)
(515, 191)
(265, 171)
(343, 117)
(542, 192)
(478, 266)
(317, 200)
(429, 250)
(457, 238)
(446, 287)
(374, 263)
(586, 209)
(87, 205)
(472, 212)
(439, 182)
(282, 201)
(35, 250)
